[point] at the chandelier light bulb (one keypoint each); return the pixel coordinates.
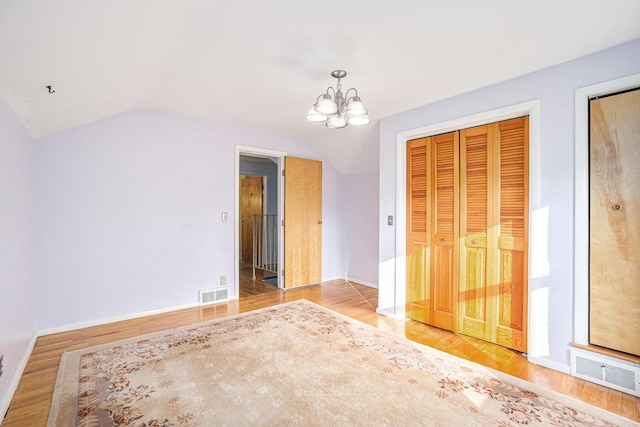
(326, 105)
(359, 120)
(336, 122)
(355, 107)
(314, 116)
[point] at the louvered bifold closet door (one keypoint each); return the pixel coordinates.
(418, 216)
(467, 205)
(512, 296)
(478, 231)
(444, 229)
(494, 224)
(432, 229)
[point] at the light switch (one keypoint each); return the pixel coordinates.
(390, 220)
(225, 216)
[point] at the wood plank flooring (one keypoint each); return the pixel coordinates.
(32, 400)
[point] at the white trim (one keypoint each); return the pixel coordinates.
(390, 313)
(530, 108)
(361, 282)
(13, 385)
(15, 379)
(560, 367)
(278, 156)
(505, 113)
(104, 321)
(581, 208)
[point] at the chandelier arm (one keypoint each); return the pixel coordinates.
(346, 94)
(326, 93)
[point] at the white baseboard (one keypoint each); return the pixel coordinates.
(389, 313)
(565, 369)
(90, 323)
(15, 379)
(361, 282)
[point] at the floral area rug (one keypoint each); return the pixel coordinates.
(296, 364)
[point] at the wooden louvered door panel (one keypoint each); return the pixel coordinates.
(418, 216)
(494, 223)
(444, 229)
(432, 198)
(513, 223)
(476, 231)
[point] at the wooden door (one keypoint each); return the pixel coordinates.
(432, 228)
(444, 229)
(614, 211)
(477, 261)
(467, 222)
(418, 219)
(494, 232)
(251, 203)
(302, 222)
(512, 201)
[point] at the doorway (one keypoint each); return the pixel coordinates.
(304, 238)
(258, 244)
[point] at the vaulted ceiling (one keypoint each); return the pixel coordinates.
(261, 64)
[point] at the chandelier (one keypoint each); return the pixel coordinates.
(340, 109)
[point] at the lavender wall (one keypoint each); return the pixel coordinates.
(16, 248)
(555, 89)
(128, 214)
(360, 225)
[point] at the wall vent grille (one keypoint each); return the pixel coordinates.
(213, 295)
(606, 371)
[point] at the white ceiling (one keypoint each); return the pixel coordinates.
(261, 64)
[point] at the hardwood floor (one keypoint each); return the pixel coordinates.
(250, 287)
(32, 400)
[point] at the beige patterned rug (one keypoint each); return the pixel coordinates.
(296, 364)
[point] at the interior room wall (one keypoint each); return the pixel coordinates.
(16, 248)
(555, 89)
(360, 225)
(128, 216)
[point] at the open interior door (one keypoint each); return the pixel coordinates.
(302, 222)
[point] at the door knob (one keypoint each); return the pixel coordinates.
(616, 207)
(444, 239)
(474, 241)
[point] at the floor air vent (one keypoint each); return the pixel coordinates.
(606, 371)
(213, 295)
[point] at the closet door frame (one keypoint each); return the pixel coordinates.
(536, 347)
(581, 213)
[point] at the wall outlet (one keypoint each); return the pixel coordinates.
(223, 280)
